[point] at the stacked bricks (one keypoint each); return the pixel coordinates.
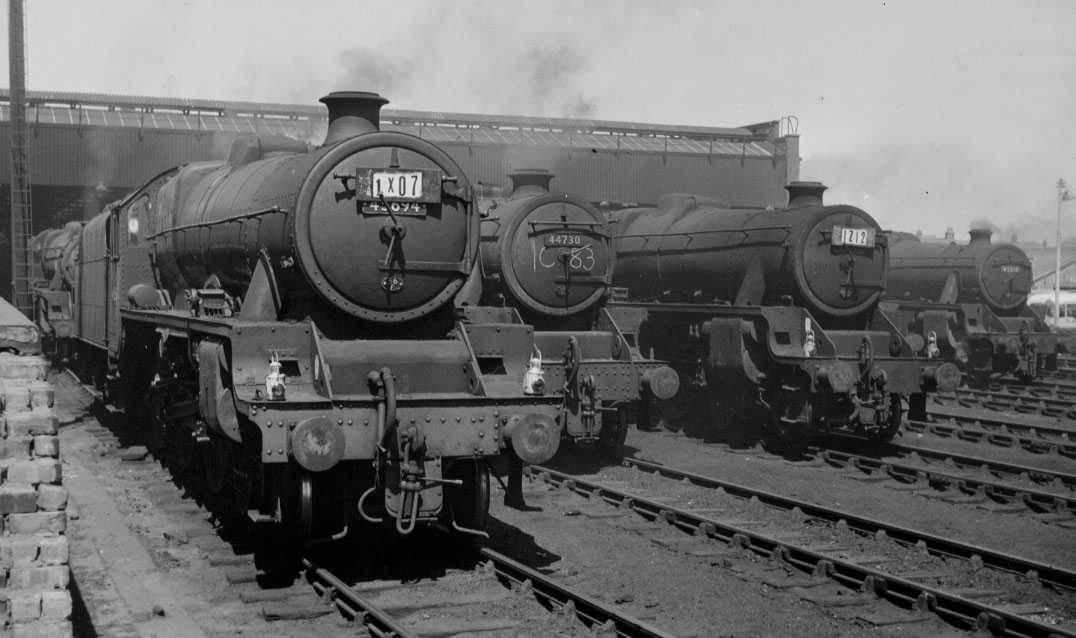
(34, 574)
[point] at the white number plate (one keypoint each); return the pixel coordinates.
(862, 237)
(398, 184)
(564, 239)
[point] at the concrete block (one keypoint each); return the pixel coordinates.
(51, 498)
(32, 424)
(53, 550)
(25, 606)
(14, 366)
(17, 498)
(15, 447)
(47, 446)
(37, 523)
(48, 470)
(56, 605)
(16, 398)
(41, 395)
(22, 550)
(51, 577)
(22, 471)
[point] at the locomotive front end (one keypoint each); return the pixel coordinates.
(1003, 272)
(967, 303)
(383, 226)
(843, 255)
(549, 255)
(324, 306)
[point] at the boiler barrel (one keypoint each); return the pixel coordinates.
(701, 250)
(998, 275)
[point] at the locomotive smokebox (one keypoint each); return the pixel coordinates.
(805, 193)
(530, 181)
(352, 113)
(980, 235)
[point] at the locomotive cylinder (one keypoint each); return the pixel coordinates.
(829, 259)
(998, 275)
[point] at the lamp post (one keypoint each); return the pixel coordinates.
(1063, 196)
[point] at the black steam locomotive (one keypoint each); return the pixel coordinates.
(771, 314)
(968, 304)
(549, 256)
(298, 329)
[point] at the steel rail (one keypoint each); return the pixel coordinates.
(997, 430)
(588, 609)
(353, 604)
(909, 473)
(1019, 403)
(1040, 388)
(966, 461)
(901, 591)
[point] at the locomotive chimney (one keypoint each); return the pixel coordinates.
(805, 193)
(980, 235)
(530, 181)
(352, 113)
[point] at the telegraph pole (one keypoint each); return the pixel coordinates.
(20, 160)
(1063, 196)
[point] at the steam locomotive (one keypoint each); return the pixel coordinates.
(549, 256)
(53, 269)
(968, 304)
(298, 329)
(771, 314)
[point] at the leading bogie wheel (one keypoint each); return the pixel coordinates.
(614, 432)
(469, 502)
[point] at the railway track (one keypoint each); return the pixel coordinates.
(1034, 435)
(452, 602)
(1041, 387)
(364, 611)
(944, 593)
(927, 468)
(1013, 398)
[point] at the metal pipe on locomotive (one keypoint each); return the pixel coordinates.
(968, 304)
(772, 309)
(548, 255)
(297, 326)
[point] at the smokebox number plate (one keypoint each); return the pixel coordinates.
(383, 191)
(570, 240)
(860, 237)
(405, 185)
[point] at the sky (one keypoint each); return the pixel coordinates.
(927, 114)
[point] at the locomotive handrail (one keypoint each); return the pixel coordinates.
(715, 231)
(539, 222)
(217, 222)
(426, 266)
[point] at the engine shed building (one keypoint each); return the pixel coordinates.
(90, 149)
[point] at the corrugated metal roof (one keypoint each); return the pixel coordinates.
(306, 121)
